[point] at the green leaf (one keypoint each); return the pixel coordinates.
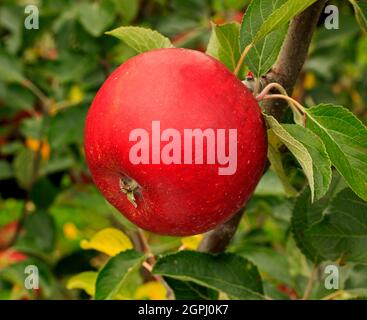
(281, 16)
(269, 261)
(17, 97)
(269, 185)
(31, 127)
(10, 211)
(43, 193)
(127, 8)
(275, 159)
(141, 39)
(356, 282)
(305, 214)
(226, 272)
(296, 148)
(56, 164)
(265, 52)
(342, 233)
(11, 18)
(223, 44)
(96, 17)
(10, 69)
(40, 233)
(263, 55)
(66, 128)
(297, 261)
(115, 273)
(11, 148)
(345, 139)
(360, 10)
(85, 281)
(6, 170)
(186, 290)
(256, 14)
(23, 167)
(320, 160)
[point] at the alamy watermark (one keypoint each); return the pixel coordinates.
(193, 142)
(32, 20)
(31, 281)
(332, 279)
(332, 20)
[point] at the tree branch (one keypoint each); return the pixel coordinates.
(293, 55)
(285, 72)
(218, 239)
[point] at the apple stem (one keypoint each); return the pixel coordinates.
(242, 59)
(129, 187)
(299, 110)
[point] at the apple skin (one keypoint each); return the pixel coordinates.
(182, 89)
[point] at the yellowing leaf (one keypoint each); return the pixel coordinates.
(85, 281)
(110, 241)
(192, 242)
(35, 145)
(356, 98)
(70, 231)
(309, 81)
(123, 296)
(76, 94)
(53, 109)
(32, 144)
(152, 290)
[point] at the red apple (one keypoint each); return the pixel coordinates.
(10, 256)
(7, 233)
(150, 107)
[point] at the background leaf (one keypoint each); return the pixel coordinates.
(273, 264)
(332, 227)
(48, 286)
(10, 69)
(223, 44)
(23, 167)
(109, 241)
(305, 214)
(96, 17)
(85, 281)
(226, 272)
(342, 233)
(356, 280)
(360, 10)
(39, 235)
(6, 171)
(152, 290)
(127, 8)
(43, 193)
